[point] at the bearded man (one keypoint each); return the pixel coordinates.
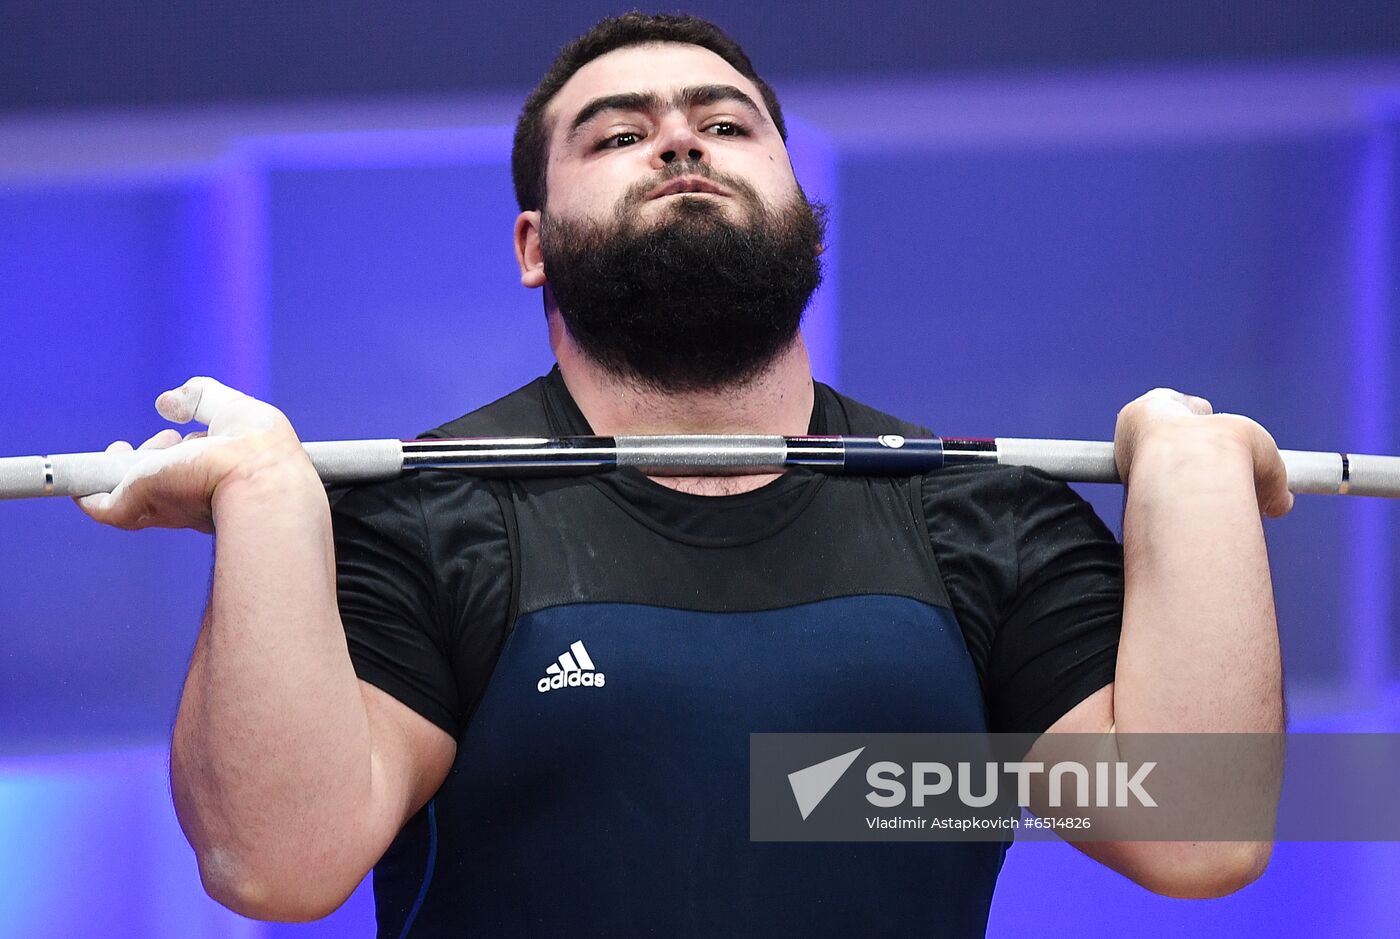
(526, 703)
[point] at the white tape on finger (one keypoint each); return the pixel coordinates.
(214, 398)
(199, 399)
(178, 404)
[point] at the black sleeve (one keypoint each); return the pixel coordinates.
(424, 579)
(1035, 580)
(389, 604)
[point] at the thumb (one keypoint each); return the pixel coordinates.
(207, 400)
(198, 399)
(1270, 473)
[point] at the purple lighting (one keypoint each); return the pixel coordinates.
(1372, 544)
(224, 332)
(92, 848)
(1014, 255)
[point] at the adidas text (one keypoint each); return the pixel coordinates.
(571, 680)
(575, 668)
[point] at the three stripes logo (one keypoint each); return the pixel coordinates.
(575, 668)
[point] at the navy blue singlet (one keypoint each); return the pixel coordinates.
(601, 785)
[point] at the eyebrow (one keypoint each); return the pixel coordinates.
(649, 101)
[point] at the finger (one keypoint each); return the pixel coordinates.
(1159, 403)
(1271, 484)
(99, 503)
(162, 439)
(1270, 472)
(1194, 403)
(198, 399)
(1167, 395)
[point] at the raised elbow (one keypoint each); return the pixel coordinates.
(261, 894)
(1203, 870)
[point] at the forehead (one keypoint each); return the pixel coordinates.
(657, 67)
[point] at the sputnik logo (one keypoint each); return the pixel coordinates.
(810, 785)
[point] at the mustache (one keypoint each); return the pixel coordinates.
(637, 193)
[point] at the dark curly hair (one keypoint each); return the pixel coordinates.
(529, 155)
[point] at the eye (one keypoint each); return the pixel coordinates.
(726, 129)
(616, 141)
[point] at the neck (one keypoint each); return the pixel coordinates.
(776, 401)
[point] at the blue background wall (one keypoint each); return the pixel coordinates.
(1013, 254)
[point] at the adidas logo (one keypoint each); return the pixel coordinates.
(573, 669)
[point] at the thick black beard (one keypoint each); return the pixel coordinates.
(696, 302)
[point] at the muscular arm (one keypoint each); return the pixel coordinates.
(1199, 651)
(290, 775)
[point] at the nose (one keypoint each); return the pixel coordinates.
(694, 154)
(679, 141)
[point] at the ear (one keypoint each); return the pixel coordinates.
(527, 249)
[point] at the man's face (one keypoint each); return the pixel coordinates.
(629, 128)
(677, 246)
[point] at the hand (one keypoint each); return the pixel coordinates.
(1184, 422)
(175, 486)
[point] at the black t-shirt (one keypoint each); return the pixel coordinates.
(1033, 576)
(601, 648)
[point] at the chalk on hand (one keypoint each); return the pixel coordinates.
(198, 399)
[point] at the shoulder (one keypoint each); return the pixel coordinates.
(971, 493)
(1009, 489)
(522, 412)
(843, 414)
(993, 494)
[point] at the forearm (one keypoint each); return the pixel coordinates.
(1199, 650)
(270, 761)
